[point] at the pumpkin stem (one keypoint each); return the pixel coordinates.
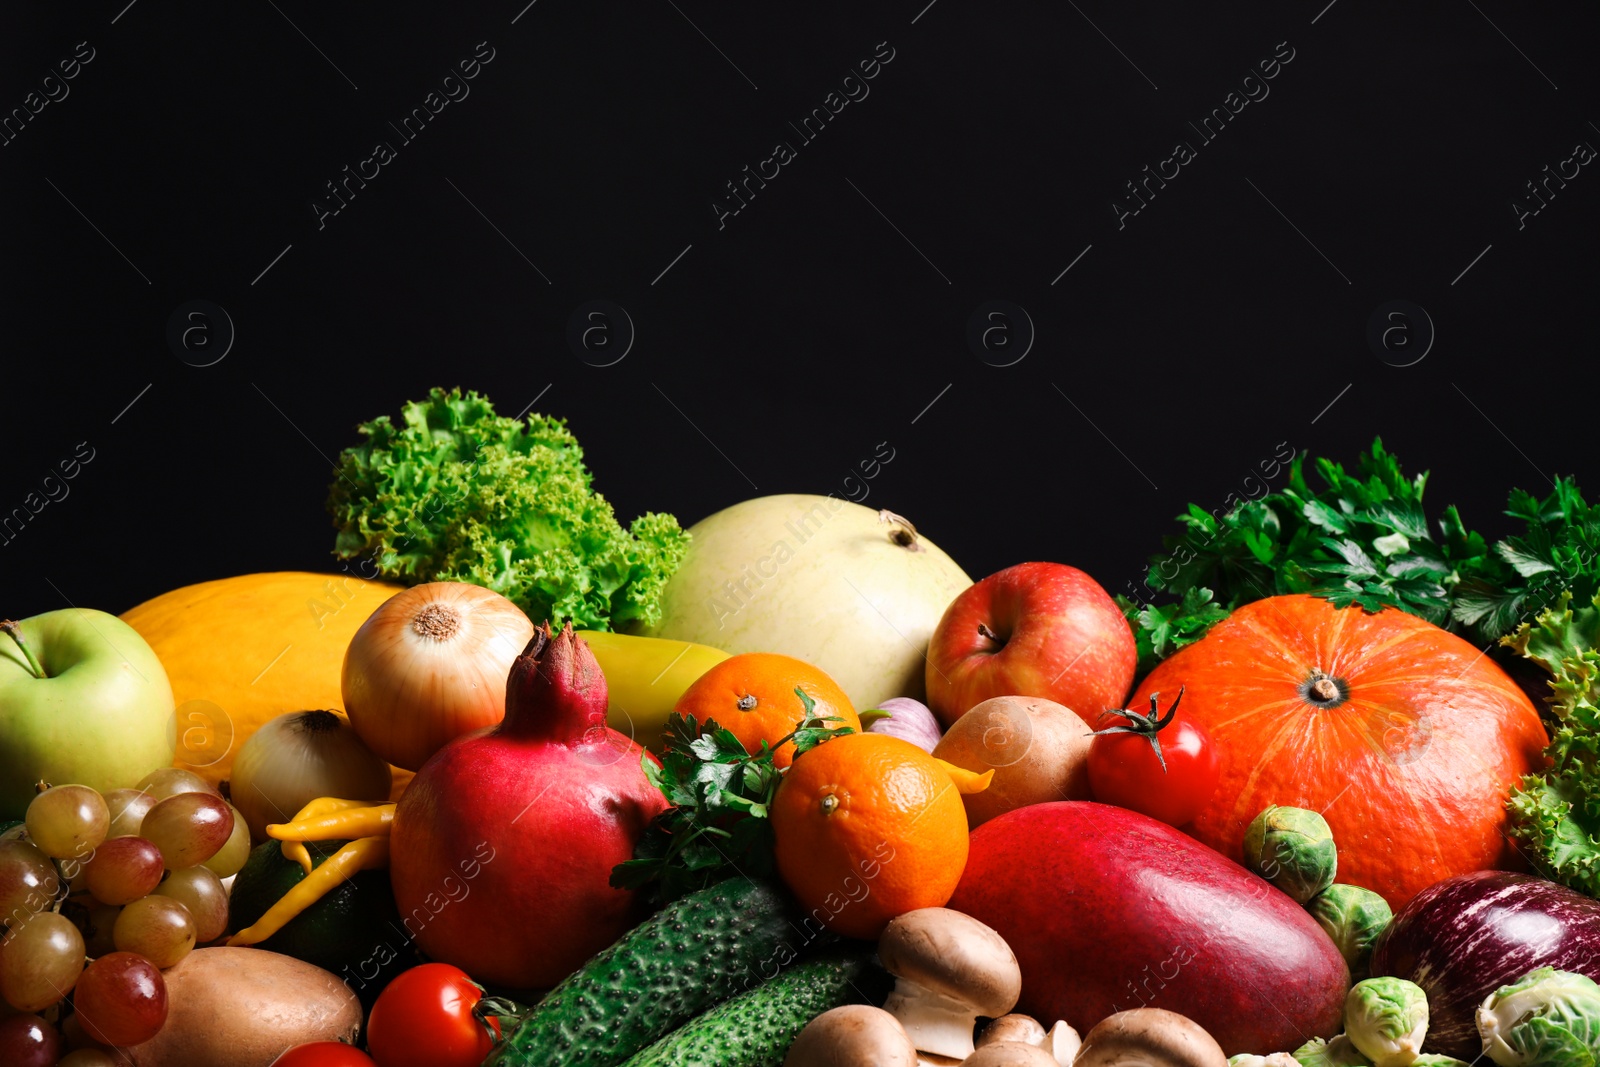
(1324, 690)
(22, 646)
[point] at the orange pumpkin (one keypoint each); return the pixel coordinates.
(1406, 738)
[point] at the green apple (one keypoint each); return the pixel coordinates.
(83, 700)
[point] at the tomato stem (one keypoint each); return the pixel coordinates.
(15, 631)
(1147, 725)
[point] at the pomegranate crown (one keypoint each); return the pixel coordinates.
(555, 688)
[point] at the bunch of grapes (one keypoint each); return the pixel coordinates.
(98, 895)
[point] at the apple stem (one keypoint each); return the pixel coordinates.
(984, 631)
(15, 631)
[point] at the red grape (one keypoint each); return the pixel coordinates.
(28, 1041)
(123, 869)
(188, 828)
(28, 881)
(121, 999)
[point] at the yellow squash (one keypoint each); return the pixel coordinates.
(645, 676)
(240, 651)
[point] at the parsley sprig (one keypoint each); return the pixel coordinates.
(721, 795)
(1363, 537)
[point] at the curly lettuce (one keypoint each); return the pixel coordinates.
(1557, 812)
(456, 493)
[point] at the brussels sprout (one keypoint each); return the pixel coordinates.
(1353, 917)
(1336, 1053)
(1386, 1019)
(1250, 1059)
(1550, 1018)
(1293, 849)
(1436, 1059)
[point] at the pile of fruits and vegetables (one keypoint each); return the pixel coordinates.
(516, 784)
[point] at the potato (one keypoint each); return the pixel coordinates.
(241, 1007)
(1039, 751)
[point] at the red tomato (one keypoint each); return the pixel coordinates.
(424, 1019)
(1125, 768)
(323, 1054)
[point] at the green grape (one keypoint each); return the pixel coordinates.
(123, 869)
(158, 928)
(171, 781)
(127, 808)
(97, 925)
(202, 892)
(68, 821)
(231, 856)
(28, 881)
(90, 1057)
(188, 828)
(40, 960)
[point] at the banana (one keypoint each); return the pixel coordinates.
(645, 676)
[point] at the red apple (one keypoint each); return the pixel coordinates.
(1034, 630)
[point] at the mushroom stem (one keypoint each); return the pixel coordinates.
(936, 1023)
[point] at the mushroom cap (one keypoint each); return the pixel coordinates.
(856, 1035)
(955, 955)
(1010, 1054)
(1024, 1028)
(1150, 1037)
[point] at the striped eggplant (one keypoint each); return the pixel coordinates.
(1464, 937)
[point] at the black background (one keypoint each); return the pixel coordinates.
(778, 351)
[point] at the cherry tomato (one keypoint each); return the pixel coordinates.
(424, 1019)
(1171, 783)
(323, 1054)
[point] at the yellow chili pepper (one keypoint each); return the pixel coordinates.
(296, 850)
(966, 781)
(362, 855)
(365, 821)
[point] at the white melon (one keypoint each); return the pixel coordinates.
(854, 591)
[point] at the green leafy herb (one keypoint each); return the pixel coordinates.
(1363, 537)
(1557, 812)
(721, 795)
(458, 493)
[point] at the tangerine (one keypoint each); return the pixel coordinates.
(867, 827)
(753, 695)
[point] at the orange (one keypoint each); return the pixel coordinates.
(867, 827)
(754, 696)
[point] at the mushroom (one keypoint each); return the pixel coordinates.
(1024, 1028)
(1010, 1054)
(856, 1035)
(1061, 1040)
(1063, 1043)
(1149, 1037)
(949, 969)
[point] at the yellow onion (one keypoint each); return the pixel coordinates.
(430, 665)
(296, 758)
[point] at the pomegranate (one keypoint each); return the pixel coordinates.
(503, 844)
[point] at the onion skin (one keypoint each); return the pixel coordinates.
(296, 758)
(1464, 937)
(410, 687)
(909, 720)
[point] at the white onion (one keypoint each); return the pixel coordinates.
(430, 665)
(296, 758)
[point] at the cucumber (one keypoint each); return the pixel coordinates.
(696, 952)
(755, 1029)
